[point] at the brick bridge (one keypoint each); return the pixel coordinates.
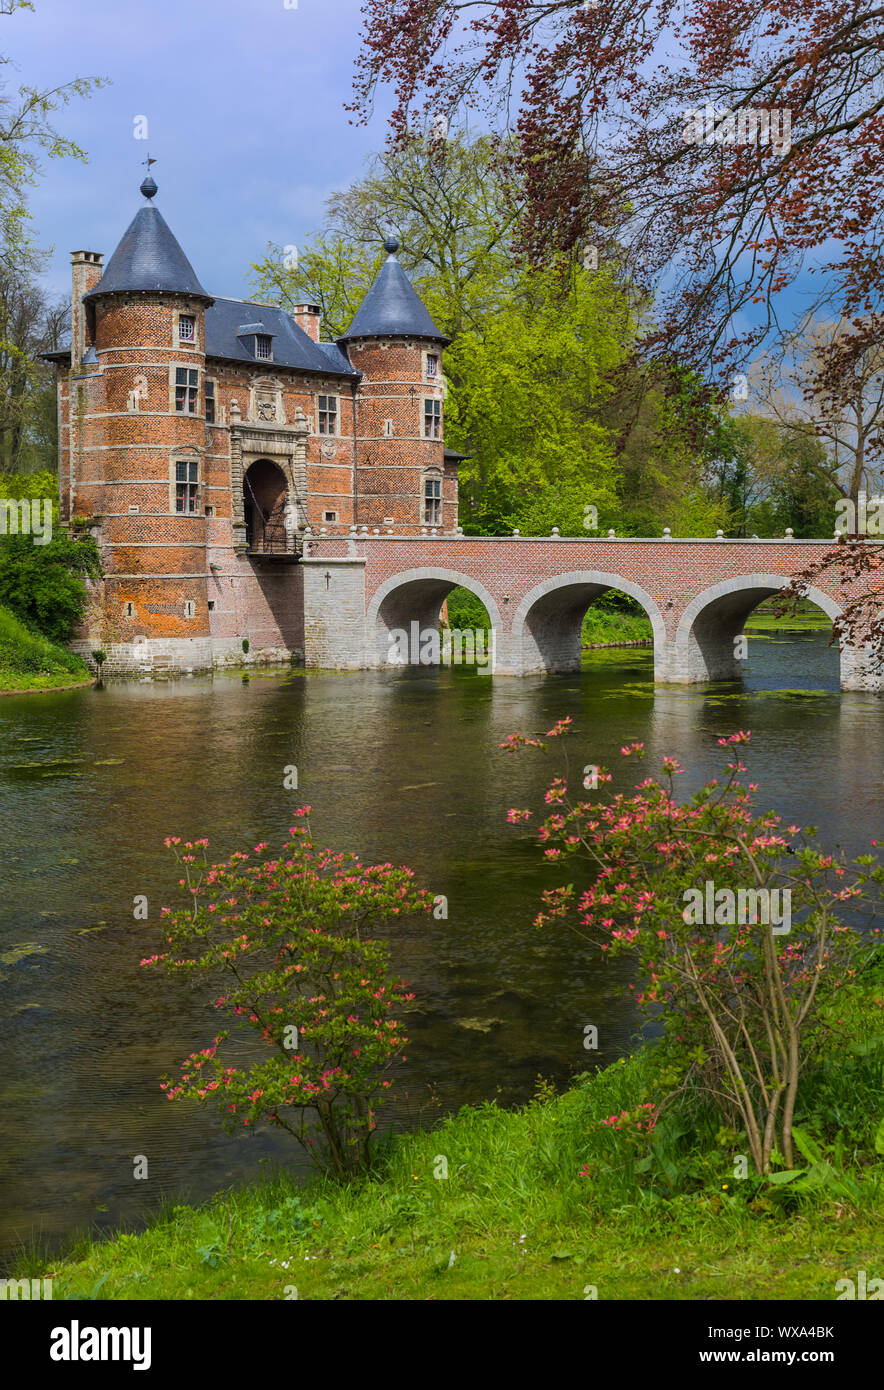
(696, 593)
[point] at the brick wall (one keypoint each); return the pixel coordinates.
(392, 465)
(184, 578)
(697, 594)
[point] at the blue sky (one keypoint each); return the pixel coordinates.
(244, 101)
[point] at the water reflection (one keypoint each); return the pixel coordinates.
(402, 765)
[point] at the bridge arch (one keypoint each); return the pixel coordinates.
(416, 596)
(704, 642)
(548, 621)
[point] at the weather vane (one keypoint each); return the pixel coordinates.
(148, 162)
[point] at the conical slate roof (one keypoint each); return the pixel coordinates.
(392, 307)
(149, 259)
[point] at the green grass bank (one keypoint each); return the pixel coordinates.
(515, 1218)
(616, 620)
(29, 661)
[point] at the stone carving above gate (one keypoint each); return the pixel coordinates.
(265, 401)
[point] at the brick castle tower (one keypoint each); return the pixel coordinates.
(202, 438)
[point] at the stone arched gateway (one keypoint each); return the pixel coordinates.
(705, 648)
(547, 623)
(266, 507)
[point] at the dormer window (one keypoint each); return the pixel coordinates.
(256, 340)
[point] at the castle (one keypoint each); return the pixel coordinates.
(202, 439)
(260, 495)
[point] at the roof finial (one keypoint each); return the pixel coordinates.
(391, 245)
(149, 187)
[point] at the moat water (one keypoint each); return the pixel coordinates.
(400, 766)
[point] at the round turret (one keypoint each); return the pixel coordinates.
(402, 472)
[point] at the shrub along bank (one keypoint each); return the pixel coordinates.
(549, 1202)
(29, 661)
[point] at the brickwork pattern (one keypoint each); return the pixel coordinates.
(697, 594)
(187, 578)
(394, 453)
(183, 591)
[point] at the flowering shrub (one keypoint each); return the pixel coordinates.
(744, 996)
(642, 1118)
(632, 1128)
(292, 937)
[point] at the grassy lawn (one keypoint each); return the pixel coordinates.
(15, 683)
(807, 618)
(612, 625)
(603, 625)
(29, 661)
(686, 1251)
(616, 623)
(515, 1219)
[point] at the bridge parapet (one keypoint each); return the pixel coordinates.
(697, 593)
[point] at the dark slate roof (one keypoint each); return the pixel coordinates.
(292, 347)
(392, 309)
(337, 359)
(148, 259)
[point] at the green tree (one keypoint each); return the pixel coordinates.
(542, 394)
(452, 206)
(667, 430)
(769, 477)
(43, 585)
(30, 324)
(532, 379)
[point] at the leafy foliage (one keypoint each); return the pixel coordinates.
(290, 936)
(25, 653)
(859, 565)
(543, 394)
(43, 585)
(606, 124)
(743, 999)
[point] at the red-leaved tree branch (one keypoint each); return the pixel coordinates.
(598, 96)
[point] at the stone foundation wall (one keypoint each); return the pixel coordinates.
(177, 656)
(334, 612)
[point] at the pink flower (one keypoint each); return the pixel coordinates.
(560, 728)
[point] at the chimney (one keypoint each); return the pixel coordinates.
(86, 270)
(306, 316)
